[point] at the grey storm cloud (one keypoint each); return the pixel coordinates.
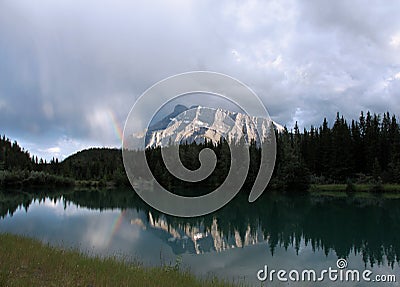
(71, 70)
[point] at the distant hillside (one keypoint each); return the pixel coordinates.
(94, 164)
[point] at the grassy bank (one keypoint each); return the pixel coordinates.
(27, 262)
(385, 190)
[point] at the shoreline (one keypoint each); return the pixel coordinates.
(374, 189)
(356, 188)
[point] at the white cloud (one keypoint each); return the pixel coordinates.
(53, 150)
(395, 41)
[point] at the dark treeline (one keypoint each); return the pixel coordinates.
(189, 156)
(367, 147)
(366, 150)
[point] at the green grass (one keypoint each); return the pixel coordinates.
(361, 190)
(392, 187)
(359, 187)
(27, 262)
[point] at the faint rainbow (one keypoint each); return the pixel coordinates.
(116, 226)
(116, 125)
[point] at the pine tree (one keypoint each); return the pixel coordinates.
(325, 149)
(342, 163)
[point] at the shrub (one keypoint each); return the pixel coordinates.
(350, 187)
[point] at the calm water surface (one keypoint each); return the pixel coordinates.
(282, 231)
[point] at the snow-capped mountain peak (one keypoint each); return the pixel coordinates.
(198, 123)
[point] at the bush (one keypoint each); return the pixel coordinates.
(350, 187)
(377, 187)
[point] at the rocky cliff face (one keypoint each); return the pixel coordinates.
(197, 123)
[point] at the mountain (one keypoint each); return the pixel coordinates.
(195, 123)
(162, 124)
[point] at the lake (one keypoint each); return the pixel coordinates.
(288, 232)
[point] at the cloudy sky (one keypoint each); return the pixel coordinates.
(71, 70)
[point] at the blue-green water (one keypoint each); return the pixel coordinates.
(281, 231)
